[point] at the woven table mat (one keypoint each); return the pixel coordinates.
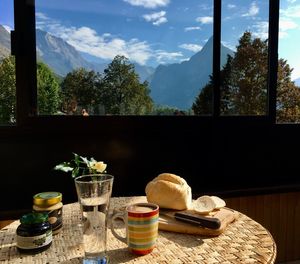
(244, 241)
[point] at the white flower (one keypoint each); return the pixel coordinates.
(99, 166)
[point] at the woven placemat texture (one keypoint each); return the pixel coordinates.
(244, 241)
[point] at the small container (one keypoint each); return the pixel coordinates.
(50, 203)
(34, 234)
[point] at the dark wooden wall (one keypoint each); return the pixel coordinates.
(220, 157)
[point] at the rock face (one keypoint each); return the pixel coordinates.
(58, 54)
(63, 57)
(4, 43)
(177, 85)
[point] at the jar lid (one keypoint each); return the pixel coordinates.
(45, 199)
(34, 218)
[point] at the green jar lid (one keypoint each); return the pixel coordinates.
(46, 199)
(34, 218)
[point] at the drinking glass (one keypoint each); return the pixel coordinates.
(94, 192)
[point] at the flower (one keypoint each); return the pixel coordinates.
(99, 166)
(81, 165)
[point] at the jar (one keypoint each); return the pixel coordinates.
(50, 203)
(34, 234)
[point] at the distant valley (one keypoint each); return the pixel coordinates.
(175, 85)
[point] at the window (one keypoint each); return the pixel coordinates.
(244, 70)
(161, 44)
(288, 79)
(7, 66)
(122, 58)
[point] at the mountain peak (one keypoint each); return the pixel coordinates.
(177, 85)
(4, 37)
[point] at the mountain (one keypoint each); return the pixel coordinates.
(145, 72)
(63, 57)
(60, 56)
(178, 84)
(4, 43)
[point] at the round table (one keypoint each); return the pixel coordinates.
(243, 241)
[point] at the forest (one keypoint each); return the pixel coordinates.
(118, 90)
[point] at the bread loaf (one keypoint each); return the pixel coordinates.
(169, 191)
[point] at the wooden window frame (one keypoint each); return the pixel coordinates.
(24, 49)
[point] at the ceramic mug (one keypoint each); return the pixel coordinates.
(141, 221)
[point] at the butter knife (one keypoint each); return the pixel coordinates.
(208, 222)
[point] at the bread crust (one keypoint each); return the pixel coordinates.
(169, 191)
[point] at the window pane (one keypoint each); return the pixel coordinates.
(244, 73)
(7, 66)
(288, 81)
(123, 57)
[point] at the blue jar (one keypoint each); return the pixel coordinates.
(34, 234)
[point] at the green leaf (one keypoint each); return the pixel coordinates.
(85, 160)
(77, 159)
(63, 167)
(75, 172)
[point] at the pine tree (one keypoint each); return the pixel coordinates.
(7, 91)
(47, 90)
(121, 91)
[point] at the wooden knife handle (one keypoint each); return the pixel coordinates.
(208, 222)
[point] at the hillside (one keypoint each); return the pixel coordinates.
(4, 43)
(177, 85)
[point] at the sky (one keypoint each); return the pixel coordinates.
(152, 32)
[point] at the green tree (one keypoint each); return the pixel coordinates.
(248, 76)
(164, 110)
(203, 104)
(226, 104)
(121, 91)
(7, 91)
(47, 90)
(80, 88)
(288, 95)
(244, 84)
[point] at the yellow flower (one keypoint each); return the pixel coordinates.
(99, 166)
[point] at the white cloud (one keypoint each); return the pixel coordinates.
(191, 28)
(107, 46)
(291, 1)
(191, 47)
(164, 57)
(157, 18)
(206, 7)
(42, 16)
(288, 18)
(261, 29)
(7, 28)
(292, 11)
(285, 25)
(231, 6)
(148, 3)
(205, 19)
(253, 10)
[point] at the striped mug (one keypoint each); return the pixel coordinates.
(141, 221)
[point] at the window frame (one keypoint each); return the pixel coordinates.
(24, 49)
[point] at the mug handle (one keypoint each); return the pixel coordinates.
(118, 215)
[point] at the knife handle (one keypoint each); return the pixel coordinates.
(209, 222)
